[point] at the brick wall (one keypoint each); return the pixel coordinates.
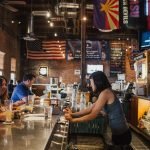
(65, 69)
(60, 68)
(9, 45)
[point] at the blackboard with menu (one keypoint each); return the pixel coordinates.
(117, 60)
(133, 53)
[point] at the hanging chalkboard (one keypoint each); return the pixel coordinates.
(117, 59)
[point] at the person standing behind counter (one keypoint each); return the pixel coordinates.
(22, 90)
(10, 87)
(107, 100)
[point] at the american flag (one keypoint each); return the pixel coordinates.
(46, 49)
(106, 14)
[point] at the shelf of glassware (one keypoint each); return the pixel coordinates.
(53, 91)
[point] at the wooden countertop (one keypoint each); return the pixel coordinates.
(144, 97)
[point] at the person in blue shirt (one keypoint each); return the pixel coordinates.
(22, 90)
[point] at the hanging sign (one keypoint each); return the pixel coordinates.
(134, 8)
(125, 12)
(141, 56)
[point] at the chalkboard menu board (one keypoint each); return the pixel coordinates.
(117, 60)
(133, 53)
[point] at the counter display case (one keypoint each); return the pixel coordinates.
(140, 115)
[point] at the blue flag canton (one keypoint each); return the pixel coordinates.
(34, 45)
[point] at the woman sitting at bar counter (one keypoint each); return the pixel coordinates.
(3, 89)
(22, 90)
(3, 96)
(108, 101)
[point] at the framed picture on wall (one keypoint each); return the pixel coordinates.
(43, 71)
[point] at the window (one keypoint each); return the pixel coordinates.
(1, 73)
(2, 54)
(13, 69)
(13, 64)
(13, 76)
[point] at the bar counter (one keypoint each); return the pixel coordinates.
(26, 135)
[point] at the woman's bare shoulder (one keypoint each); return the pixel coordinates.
(108, 93)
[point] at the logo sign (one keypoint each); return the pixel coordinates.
(134, 8)
(125, 12)
(141, 56)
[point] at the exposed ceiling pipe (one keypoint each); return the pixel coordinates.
(39, 13)
(30, 24)
(44, 12)
(73, 5)
(30, 31)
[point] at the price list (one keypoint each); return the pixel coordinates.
(117, 60)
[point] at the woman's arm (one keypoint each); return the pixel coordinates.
(83, 112)
(2, 116)
(97, 107)
(80, 113)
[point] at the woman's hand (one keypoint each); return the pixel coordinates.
(2, 116)
(67, 110)
(68, 117)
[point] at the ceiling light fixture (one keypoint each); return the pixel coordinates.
(48, 14)
(51, 24)
(55, 34)
(84, 18)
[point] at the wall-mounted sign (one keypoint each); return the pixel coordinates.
(77, 72)
(94, 49)
(141, 56)
(43, 71)
(134, 8)
(93, 68)
(125, 12)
